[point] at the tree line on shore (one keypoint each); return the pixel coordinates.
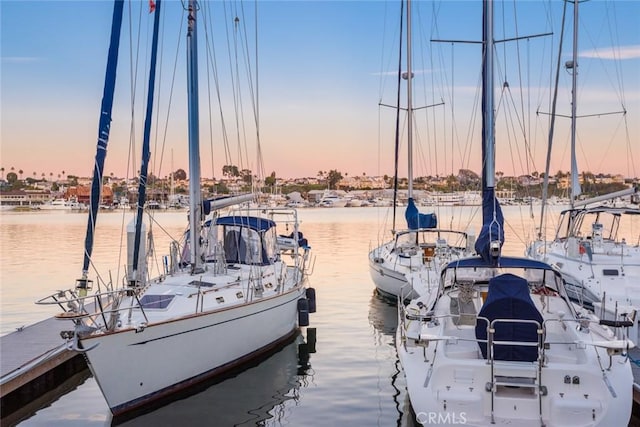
(236, 179)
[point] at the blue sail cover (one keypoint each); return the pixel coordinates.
(492, 227)
(146, 151)
(104, 127)
(416, 220)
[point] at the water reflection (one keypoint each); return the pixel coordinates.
(45, 400)
(258, 396)
(383, 316)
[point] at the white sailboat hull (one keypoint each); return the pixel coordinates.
(452, 391)
(388, 272)
(133, 367)
(408, 271)
(448, 378)
(608, 274)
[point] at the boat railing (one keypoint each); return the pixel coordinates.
(460, 239)
(617, 344)
(97, 310)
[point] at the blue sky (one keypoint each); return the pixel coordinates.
(323, 68)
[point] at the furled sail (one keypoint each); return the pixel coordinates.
(103, 136)
(416, 220)
(491, 238)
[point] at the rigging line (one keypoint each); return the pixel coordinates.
(133, 75)
(510, 112)
(629, 152)
(611, 15)
(397, 135)
(596, 51)
(157, 165)
(511, 132)
(261, 172)
(609, 146)
(464, 151)
(616, 48)
(163, 134)
(212, 70)
(545, 185)
(237, 92)
(237, 95)
(253, 92)
(132, 138)
(383, 73)
(443, 84)
(427, 122)
(231, 73)
(519, 68)
(423, 70)
(382, 222)
(520, 123)
(171, 88)
(474, 117)
(452, 94)
(245, 57)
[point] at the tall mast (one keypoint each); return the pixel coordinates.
(136, 275)
(575, 182)
(409, 103)
(488, 136)
(195, 208)
(491, 238)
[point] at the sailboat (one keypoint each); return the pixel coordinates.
(226, 295)
(592, 247)
(422, 248)
(500, 343)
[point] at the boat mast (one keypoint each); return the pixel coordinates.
(103, 139)
(195, 208)
(575, 182)
(409, 104)
(491, 238)
(488, 137)
(137, 276)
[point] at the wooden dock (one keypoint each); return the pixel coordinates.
(34, 360)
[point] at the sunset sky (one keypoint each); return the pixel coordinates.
(324, 67)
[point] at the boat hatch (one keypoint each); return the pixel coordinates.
(200, 283)
(156, 301)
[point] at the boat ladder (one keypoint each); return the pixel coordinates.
(506, 374)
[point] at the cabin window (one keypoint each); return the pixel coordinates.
(220, 300)
(610, 272)
(156, 301)
(200, 283)
(269, 248)
(245, 246)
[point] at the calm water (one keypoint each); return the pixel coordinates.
(352, 378)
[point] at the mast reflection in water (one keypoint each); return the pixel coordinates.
(383, 316)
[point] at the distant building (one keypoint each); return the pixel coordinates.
(82, 194)
(24, 197)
